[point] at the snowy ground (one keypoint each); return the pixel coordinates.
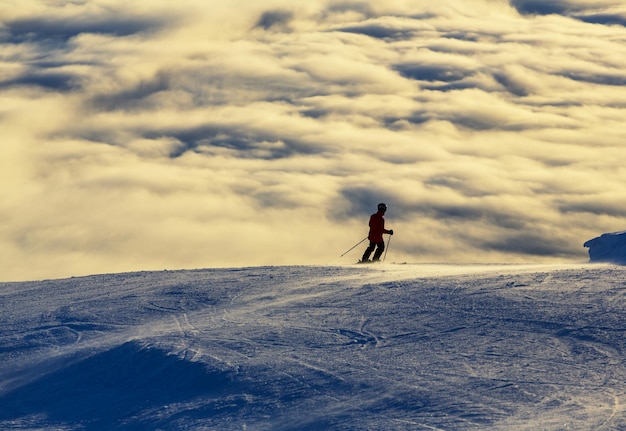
(389, 347)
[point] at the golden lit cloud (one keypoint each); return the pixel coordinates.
(160, 135)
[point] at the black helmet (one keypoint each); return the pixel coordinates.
(382, 207)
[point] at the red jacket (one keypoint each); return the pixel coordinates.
(377, 227)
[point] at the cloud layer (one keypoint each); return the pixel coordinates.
(213, 134)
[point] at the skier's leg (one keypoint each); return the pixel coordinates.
(368, 251)
(380, 247)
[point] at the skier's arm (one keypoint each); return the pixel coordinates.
(382, 227)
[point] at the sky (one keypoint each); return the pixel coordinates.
(166, 135)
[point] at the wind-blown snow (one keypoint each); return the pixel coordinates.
(389, 347)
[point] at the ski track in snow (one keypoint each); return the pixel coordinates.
(388, 347)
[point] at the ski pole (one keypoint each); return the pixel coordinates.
(387, 248)
(355, 245)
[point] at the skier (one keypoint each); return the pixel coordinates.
(377, 229)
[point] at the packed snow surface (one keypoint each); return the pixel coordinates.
(386, 347)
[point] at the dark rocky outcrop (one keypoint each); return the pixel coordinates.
(608, 247)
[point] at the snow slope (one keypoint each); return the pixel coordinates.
(389, 347)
